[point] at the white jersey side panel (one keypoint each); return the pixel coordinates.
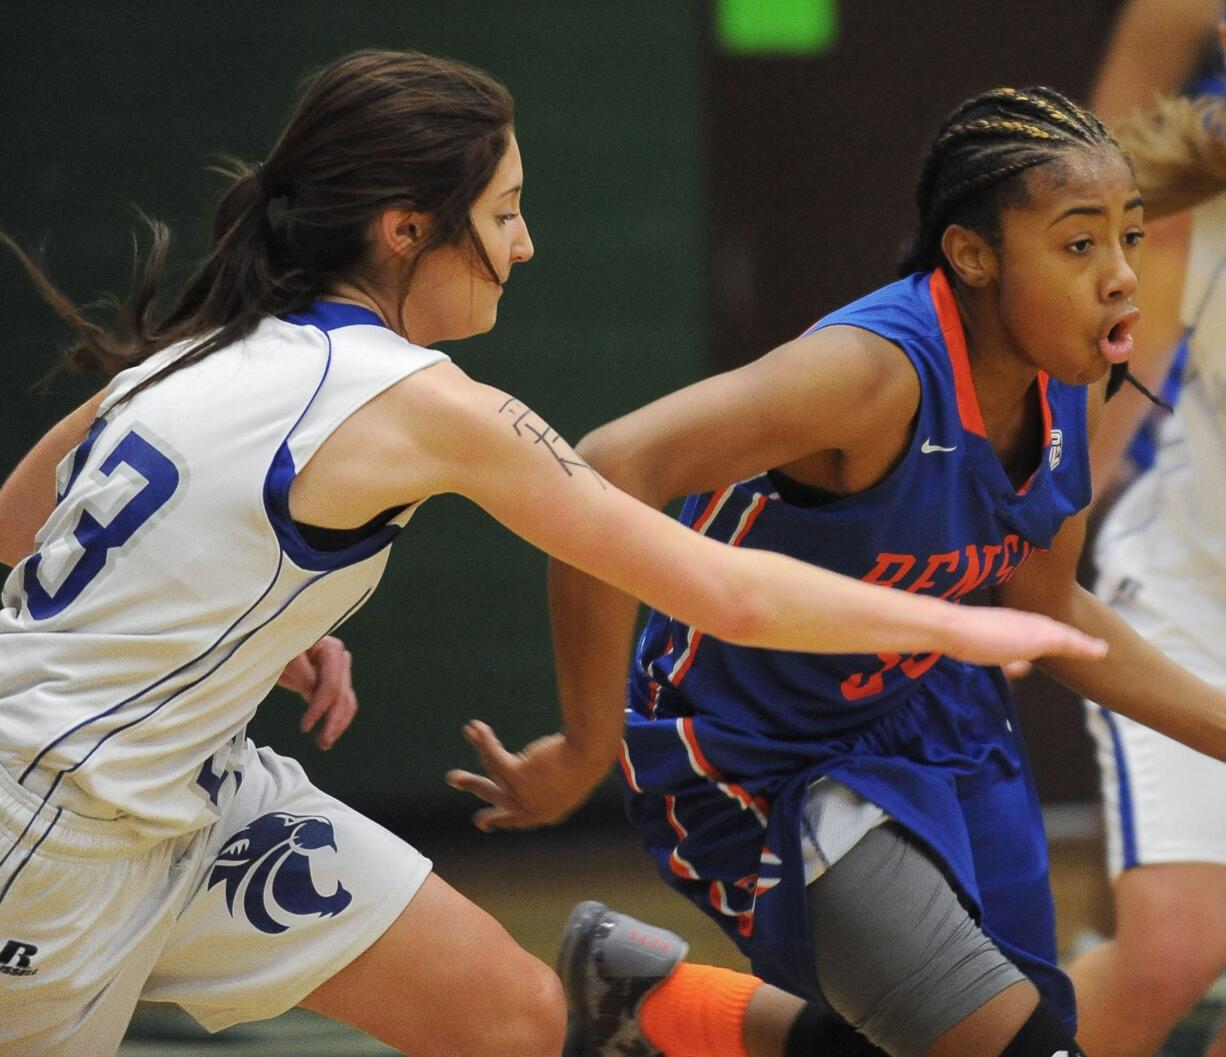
(1169, 530)
(170, 587)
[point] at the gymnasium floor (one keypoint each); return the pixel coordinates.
(531, 881)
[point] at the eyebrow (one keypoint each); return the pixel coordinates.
(1097, 211)
(511, 191)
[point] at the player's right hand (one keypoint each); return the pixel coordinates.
(538, 786)
(990, 635)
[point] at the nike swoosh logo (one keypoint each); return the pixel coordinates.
(928, 447)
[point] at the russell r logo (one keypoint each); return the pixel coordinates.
(15, 958)
(266, 870)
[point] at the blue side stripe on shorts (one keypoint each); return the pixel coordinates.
(1127, 823)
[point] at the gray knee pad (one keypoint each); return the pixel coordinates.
(898, 956)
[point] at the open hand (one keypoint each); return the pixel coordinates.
(538, 786)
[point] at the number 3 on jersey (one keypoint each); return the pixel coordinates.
(92, 540)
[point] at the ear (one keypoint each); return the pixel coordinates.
(970, 256)
(399, 232)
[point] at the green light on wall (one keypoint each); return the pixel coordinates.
(778, 27)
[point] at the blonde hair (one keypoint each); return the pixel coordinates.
(1178, 150)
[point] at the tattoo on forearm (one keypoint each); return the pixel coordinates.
(525, 423)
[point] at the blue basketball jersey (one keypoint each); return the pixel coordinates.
(946, 521)
(722, 741)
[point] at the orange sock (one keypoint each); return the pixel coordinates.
(699, 1011)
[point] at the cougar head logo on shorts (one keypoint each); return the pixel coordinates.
(267, 867)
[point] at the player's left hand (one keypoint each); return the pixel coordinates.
(323, 675)
(539, 786)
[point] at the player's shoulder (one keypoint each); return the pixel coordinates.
(437, 406)
(862, 365)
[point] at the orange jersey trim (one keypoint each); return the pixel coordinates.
(955, 343)
(959, 359)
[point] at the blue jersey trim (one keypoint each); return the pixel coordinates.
(1211, 84)
(1128, 833)
(280, 477)
(332, 315)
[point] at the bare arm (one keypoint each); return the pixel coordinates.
(472, 439)
(28, 495)
(1154, 47)
(1135, 679)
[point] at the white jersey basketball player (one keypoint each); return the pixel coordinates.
(171, 585)
(168, 590)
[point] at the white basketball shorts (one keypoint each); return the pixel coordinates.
(1163, 802)
(236, 922)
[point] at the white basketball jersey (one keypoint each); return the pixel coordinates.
(170, 586)
(1169, 530)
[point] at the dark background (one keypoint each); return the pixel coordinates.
(690, 207)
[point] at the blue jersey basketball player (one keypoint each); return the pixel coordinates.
(865, 826)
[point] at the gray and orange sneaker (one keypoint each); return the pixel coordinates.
(608, 964)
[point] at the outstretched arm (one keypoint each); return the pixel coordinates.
(530, 480)
(1154, 47)
(494, 450)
